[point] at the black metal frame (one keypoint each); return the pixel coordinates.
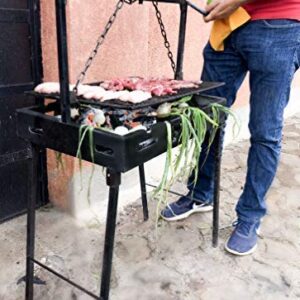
(113, 174)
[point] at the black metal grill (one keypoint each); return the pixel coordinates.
(118, 153)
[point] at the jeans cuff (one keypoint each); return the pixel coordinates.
(198, 199)
(249, 220)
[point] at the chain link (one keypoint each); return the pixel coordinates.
(164, 35)
(100, 41)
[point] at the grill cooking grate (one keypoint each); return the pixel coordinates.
(154, 101)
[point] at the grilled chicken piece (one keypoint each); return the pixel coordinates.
(125, 96)
(50, 88)
(110, 95)
(139, 96)
(95, 92)
(84, 89)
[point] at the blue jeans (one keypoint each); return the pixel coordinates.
(270, 51)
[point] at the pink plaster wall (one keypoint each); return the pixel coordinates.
(133, 47)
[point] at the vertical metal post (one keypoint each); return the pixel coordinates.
(113, 181)
(181, 40)
(144, 192)
(62, 44)
(32, 187)
(37, 68)
(36, 50)
(217, 176)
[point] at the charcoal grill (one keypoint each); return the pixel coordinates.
(40, 126)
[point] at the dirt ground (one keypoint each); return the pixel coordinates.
(177, 263)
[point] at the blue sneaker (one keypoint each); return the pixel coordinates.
(243, 240)
(183, 208)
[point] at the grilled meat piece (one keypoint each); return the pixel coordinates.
(155, 86)
(50, 88)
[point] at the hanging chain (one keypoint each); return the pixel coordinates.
(99, 43)
(108, 26)
(164, 34)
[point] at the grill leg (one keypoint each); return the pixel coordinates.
(32, 188)
(113, 181)
(218, 154)
(144, 192)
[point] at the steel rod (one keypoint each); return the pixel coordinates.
(144, 192)
(170, 191)
(62, 44)
(198, 9)
(217, 177)
(31, 205)
(113, 181)
(71, 282)
(165, 1)
(181, 40)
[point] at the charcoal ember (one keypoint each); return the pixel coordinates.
(115, 121)
(91, 116)
(148, 122)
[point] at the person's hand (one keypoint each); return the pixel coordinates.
(221, 9)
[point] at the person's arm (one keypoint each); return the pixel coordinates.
(220, 9)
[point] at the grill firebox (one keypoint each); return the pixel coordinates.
(121, 153)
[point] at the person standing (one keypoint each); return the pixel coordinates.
(268, 47)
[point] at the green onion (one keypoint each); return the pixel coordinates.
(83, 130)
(195, 124)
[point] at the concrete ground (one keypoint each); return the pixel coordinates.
(176, 262)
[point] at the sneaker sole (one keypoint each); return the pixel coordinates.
(188, 213)
(238, 253)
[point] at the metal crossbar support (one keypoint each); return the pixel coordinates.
(71, 282)
(170, 191)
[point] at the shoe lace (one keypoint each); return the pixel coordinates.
(185, 200)
(243, 227)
